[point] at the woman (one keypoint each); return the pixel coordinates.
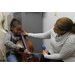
(62, 40)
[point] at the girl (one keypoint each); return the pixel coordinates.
(11, 39)
(62, 41)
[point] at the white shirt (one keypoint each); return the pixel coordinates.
(63, 47)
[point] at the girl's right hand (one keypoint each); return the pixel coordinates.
(26, 51)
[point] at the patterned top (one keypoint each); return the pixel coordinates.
(62, 47)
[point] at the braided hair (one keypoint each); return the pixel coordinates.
(14, 22)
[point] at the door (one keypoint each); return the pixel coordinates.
(32, 23)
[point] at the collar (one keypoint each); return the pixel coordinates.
(62, 37)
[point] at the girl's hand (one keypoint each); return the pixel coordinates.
(26, 51)
(24, 33)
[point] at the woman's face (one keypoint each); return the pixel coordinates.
(17, 30)
(57, 30)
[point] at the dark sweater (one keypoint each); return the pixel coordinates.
(10, 41)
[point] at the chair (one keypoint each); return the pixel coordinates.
(3, 31)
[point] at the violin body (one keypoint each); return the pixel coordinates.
(24, 57)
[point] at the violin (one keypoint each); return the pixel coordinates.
(26, 57)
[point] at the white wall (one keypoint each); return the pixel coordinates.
(49, 19)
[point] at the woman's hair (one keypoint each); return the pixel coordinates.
(66, 24)
(14, 22)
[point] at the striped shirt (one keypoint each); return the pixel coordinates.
(62, 47)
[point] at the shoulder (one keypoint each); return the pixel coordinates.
(50, 31)
(53, 33)
(8, 33)
(71, 38)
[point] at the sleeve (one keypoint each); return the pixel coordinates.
(45, 35)
(10, 44)
(67, 49)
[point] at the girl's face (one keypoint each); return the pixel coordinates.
(17, 30)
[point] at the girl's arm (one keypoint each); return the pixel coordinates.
(10, 44)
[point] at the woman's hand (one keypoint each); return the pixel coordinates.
(24, 33)
(45, 52)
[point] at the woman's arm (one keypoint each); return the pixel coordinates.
(67, 49)
(45, 35)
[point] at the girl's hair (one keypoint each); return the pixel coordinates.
(66, 24)
(14, 22)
